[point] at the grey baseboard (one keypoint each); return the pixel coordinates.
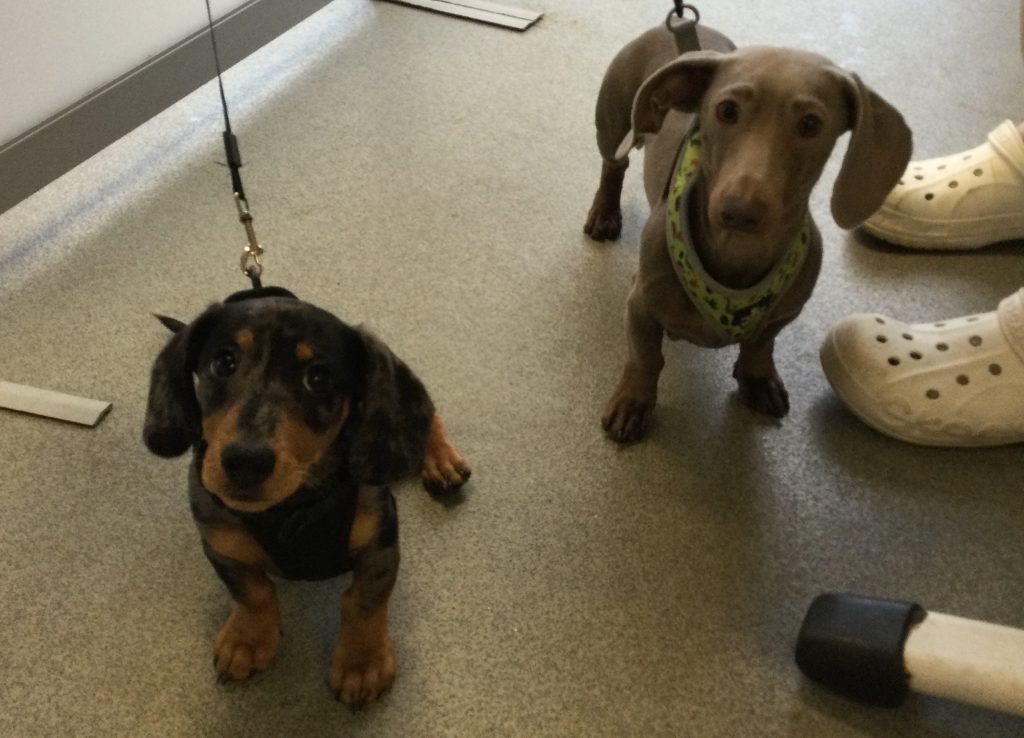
(42, 154)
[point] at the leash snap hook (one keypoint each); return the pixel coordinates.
(685, 30)
(252, 252)
(680, 9)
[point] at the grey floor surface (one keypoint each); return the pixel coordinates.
(430, 177)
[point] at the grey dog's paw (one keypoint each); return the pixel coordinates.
(626, 419)
(604, 221)
(767, 395)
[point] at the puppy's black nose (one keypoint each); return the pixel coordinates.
(248, 464)
(742, 214)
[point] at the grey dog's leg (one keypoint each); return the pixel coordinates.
(612, 117)
(629, 411)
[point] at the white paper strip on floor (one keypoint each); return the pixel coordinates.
(479, 10)
(52, 404)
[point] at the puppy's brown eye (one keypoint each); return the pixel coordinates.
(809, 126)
(224, 364)
(318, 380)
(728, 112)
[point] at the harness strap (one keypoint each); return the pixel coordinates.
(738, 315)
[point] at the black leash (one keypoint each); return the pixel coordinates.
(251, 263)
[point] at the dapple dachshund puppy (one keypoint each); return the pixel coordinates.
(735, 141)
(298, 424)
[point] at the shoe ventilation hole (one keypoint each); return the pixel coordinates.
(975, 340)
(942, 346)
(977, 172)
(929, 196)
(939, 325)
(893, 361)
(995, 370)
(918, 169)
(953, 184)
(941, 166)
(962, 380)
(881, 339)
(973, 319)
(932, 394)
(918, 176)
(915, 355)
(968, 156)
(900, 182)
(880, 321)
(908, 337)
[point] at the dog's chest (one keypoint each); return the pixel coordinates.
(732, 314)
(308, 539)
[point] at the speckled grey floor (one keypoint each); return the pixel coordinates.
(430, 177)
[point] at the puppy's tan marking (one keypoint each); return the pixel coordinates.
(237, 545)
(249, 639)
(245, 340)
(299, 448)
(304, 351)
(443, 465)
(364, 530)
(248, 642)
(364, 664)
(219, 430)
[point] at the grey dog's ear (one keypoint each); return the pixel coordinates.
(391, 419)
(678, 85)
(877, 155)
(172, 413)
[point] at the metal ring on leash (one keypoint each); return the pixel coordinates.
(678, 12)
(684, 29)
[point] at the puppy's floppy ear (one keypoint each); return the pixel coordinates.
(878, 153)
(680, 84)
(391, 420)
(172, 413)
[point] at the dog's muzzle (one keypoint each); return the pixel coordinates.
(248, 465)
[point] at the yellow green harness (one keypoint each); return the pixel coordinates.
(738, 315)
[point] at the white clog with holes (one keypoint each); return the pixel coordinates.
(957, 382)
(966, 200)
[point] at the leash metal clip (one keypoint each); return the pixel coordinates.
(252, 251)
(685, 31)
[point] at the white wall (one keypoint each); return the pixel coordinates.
(55, 52)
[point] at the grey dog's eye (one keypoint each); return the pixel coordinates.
(809, 126)
(727, 111)
(224, 363)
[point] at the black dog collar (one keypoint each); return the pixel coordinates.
(258, 292)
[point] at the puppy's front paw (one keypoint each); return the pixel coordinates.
(627, 418)
(246, 644)
(444, 469)
(360, 675)
(765, 394)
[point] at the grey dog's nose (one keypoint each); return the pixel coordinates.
(742, 214)
(248, 464)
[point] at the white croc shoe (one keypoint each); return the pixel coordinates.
(958, 382)
(966, 200)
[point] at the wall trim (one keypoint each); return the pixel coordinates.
(57, 145)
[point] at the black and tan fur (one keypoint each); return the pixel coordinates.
(298, 424)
